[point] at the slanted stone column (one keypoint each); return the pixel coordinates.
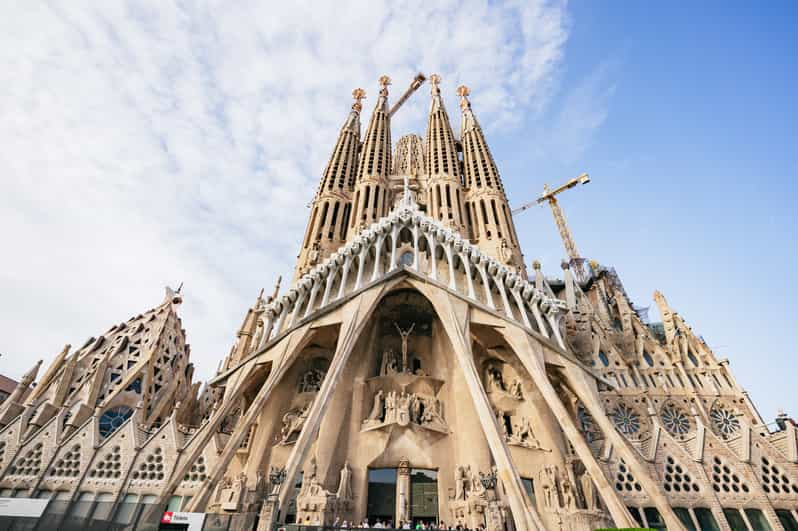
(355, 316)
(589, 397)
(532, 360)
(454, 316)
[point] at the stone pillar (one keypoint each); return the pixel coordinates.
(534, 364)
(454, 316)
(402, 492)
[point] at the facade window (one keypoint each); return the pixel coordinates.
(604, 359)
(653, 518)
(684, 517)
(787, 520)
(648, 358)
(706, 520)
(757, 520)
(735, 520)
(135, 386)
(113, 418)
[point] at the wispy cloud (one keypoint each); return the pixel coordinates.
(146, 144)
(584, 108)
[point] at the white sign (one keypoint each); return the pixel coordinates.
(193, 520)
(22, 507)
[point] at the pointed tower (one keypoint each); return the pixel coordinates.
(372, 187)
(332, 205)
(445, 194)
(487, 211)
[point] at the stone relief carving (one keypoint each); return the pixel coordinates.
(588, 491)
(404, 409)
(292, 424)
(345, 483)
(311, 381)
(522, 434)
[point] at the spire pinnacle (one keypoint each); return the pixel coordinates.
(358, 94)
(384, 82)
(463, 92)
(434, 81)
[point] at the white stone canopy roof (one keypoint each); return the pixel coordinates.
(365, 260)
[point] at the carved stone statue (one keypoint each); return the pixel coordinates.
(502, 424)
(403, 409)
(567, 494)
(459, 483)
(388, 366)
(495, 379)
(549, 480)
(345, 483)
(310, 472)
(311, 381)
(516, 390)
(405, 335)
(588, 491)
(292, 424)
(415, 409)
(522, 434)
(377, 408)
(432, 413)
(390, 407)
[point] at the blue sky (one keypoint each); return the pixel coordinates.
(152, 143)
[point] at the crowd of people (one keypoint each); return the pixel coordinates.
(420, 525)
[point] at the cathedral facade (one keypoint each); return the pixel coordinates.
(414, 370)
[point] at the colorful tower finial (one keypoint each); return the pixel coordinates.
(358, 94)
(434, 81)
(384, 82)
(463, 92)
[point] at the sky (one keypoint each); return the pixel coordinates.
(146, 144)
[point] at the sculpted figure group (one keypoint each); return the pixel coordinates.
(404, 408)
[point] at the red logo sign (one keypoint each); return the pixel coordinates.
(166, 518)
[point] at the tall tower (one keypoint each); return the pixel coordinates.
(487, 211)
(372, 187)
(332, 205)
(444, 185)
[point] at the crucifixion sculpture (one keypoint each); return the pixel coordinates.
(405, 335)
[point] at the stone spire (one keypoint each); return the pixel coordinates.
(249, 335)
(331, 208)
(370, 201)
(487, 211)
(445, 186)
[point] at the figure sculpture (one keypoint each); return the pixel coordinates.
(377, 407)
(588, 491)
(405, 335)
(459, 483)
(345, 483)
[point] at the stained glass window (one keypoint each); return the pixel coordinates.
(113, 418)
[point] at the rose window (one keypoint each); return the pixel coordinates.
(724, 421)
(626, 420)
(675, 420)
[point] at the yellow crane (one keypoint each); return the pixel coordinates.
(559, 218)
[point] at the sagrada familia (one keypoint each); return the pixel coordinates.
(415, 370)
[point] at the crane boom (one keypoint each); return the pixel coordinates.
(559, 218)
(417, 82)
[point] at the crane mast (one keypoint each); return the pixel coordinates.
(550, 196)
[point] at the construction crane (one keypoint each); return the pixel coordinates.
(559, 218)
(414, 85)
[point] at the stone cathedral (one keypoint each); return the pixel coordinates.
(415, 370)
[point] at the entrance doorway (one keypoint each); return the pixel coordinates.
(381, 495)
(424, 495)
